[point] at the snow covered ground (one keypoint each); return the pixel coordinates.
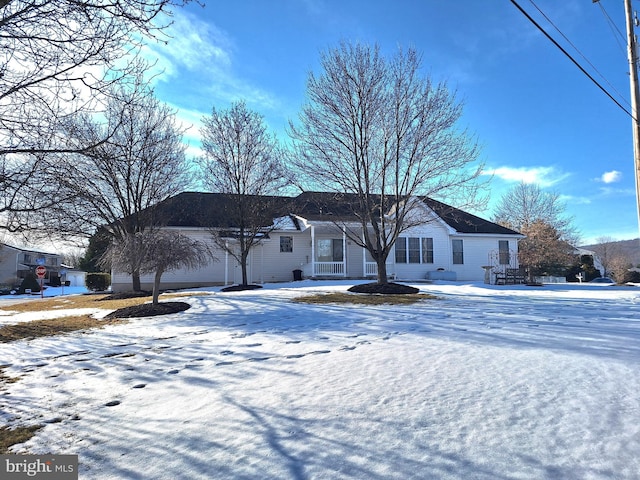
(483, 383)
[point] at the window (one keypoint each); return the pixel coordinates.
(401, 250)
(286, 244)
(330, 250)
(458, 252)
(427, 250)
(503, 252)
(27, 258)
(414, 250)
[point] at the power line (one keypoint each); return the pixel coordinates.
(612, 87)
(614, 28)
(568, 55)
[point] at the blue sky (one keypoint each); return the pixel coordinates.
(537, 116)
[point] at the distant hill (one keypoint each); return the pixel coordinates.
(631, 248)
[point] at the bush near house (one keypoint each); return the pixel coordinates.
(97, 282)
(30, 282)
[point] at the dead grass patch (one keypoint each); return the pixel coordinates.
(49, 327)
(75, 301)
(14, 436)
(360, 299)
(56, 326)
(87, 301)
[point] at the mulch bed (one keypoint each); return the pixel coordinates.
(149, 310)
(240, 288)
(386, 289)
(125, 295)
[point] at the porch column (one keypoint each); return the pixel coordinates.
(313, 251)
(226, 264)
(344, 251)
(262, 263)
(364, 256)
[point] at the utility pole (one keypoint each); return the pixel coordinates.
(632, 51)
(632, 54)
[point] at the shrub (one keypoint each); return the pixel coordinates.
(634, 277)
(584, 265)
(30, 282)
(98, 281)
(628, 276)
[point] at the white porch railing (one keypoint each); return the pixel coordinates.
(370, 269)
(328, 269)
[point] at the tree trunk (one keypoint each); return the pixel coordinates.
(243, 266)
(135, 277)
(382, 271)
(156, 286)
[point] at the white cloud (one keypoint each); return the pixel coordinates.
(611, 177)
(193, 45)
(199, 57)
(575, 200)
(542, 176)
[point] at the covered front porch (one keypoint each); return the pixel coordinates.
(333, 255)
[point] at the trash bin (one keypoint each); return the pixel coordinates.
(297, 275)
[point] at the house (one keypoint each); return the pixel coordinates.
(448, 244)
(16, 262)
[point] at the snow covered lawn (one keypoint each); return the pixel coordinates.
(484, 383)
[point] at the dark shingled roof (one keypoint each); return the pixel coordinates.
(197, 209)
(211, 210)
(325, 206)
(463, 222)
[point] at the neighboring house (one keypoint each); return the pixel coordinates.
(597, 263)
(449, 245)
(72, 277)
(16, 262)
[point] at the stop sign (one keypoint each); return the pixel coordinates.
(41, 271)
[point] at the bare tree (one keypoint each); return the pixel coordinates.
(377, 129)
(56, 58)
(71, 257)
(540, 215)
(607, 252)
(26, 188)
(54, 52)
(526, 204)
(156, 252)
(243, 160)
(619, 266)
(116, 185)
